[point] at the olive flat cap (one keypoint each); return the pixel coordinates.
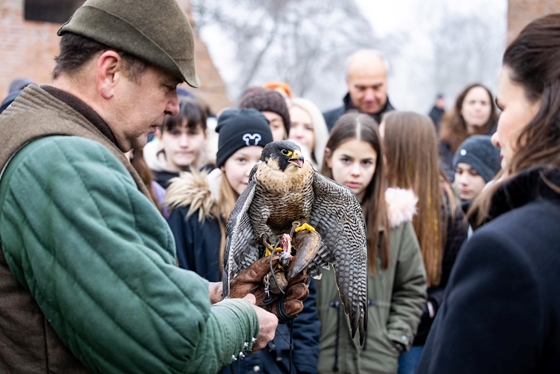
(155, 31)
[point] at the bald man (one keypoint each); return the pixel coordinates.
(366, 79)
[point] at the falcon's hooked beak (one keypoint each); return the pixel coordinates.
(297, 159)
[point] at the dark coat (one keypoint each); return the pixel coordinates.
(198, 249)
(436, 114)
(333, 115)
(501, 313)
(456, 234)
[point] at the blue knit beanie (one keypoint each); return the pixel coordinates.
(480, 154)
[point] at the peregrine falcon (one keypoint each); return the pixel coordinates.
(284, 196)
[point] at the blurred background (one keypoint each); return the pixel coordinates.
(433, 46)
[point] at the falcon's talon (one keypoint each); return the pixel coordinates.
(305, 226)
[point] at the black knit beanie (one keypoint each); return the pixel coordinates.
(265, 100)
(480, 154)
(238, 129)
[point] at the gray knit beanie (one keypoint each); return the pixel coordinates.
(480, 154)
(265, 100)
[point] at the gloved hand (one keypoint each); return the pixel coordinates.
(285, 306)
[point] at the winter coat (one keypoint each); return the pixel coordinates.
(456, 234)
(396, 296)
(87, 266)
(197, 237)
(333, 115)
(501, 310)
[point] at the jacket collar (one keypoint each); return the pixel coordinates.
(524, 188)
(84, 109)
(349, 105)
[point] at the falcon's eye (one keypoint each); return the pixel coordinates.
(286, 152)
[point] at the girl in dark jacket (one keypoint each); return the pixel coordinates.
(501, 312)
(201, 204)
(411, 156)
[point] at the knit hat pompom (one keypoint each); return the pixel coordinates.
(265, 100)
(238, 129)
(480, 154)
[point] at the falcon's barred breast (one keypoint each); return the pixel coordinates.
(282, 189)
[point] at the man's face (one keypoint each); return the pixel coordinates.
(367, 85)
(139, 107)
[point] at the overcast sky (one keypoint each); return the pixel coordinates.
(413, 18)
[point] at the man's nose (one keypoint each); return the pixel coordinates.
(369, 95)
(172, 107)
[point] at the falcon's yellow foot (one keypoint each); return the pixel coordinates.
(268, 251)
(305, 226)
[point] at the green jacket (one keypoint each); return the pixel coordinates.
(99, 260)
(396, 297)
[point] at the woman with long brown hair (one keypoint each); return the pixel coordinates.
(474, 113)
(502, 311)
(396, 282)
(411, 160)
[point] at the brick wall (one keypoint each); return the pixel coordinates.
(522, 12)
(27, 49)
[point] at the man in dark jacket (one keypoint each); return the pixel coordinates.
(437, 111)
(366, 79)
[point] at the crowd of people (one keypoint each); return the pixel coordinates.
(117, 186)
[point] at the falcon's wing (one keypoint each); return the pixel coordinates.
(241, 250)
(338, 218)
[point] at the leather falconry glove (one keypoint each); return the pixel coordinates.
(285, 306)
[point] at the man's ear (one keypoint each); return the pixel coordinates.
(328, 157)
(109, 73)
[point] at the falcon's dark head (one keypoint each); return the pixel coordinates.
(282, 155)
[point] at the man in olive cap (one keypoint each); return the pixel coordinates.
(88, 275)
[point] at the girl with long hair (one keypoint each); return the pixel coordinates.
(502, 311)
(308, 129)
(396, 281)
(201, 204)
(474, 113)
(411, 160)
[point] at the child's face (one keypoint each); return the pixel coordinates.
(183, 145)
(353, 165)
(469, 183)
(276, 125)
(301, 128)
(238, 167)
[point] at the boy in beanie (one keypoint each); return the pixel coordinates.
(273, 106)
(88, 275)
(476, 163)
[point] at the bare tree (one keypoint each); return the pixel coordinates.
(302, 42)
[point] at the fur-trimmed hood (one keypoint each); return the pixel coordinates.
(401, 205)
(196, 190)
